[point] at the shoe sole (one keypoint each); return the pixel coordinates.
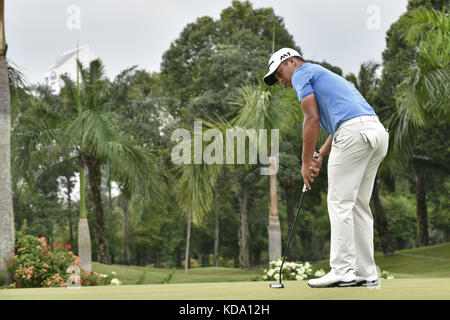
(339, 284)
(366, 283)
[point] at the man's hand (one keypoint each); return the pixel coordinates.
(307, 175)
(315, 166)
(311, 169)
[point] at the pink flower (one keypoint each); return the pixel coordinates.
(68, 246)
(43, 241)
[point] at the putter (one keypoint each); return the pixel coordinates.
(279, 285)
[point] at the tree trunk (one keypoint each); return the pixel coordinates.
(384, 235)
(127, 240)
(84, 245)
(94, 166)
(289, 190)
(157, 258)
(216, 239)
(84, 238)
(244, 234)
(69, 206)
(422, 215)
(6, 204)
(274, 229)
(178, 254)
(188, 240)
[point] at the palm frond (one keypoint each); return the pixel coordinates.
(35, 138)
(196, 189)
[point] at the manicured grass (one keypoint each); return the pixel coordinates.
(424, 262)
(422, 273)
(399, 289)
(130, 275)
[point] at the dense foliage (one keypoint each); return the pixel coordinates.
(205, 74)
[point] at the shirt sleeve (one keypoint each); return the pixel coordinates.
(301, 81)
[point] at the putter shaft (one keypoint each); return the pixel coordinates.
(304, 190)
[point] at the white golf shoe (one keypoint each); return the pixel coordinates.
(366, 281)
(335, 278)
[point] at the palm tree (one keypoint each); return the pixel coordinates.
(268, 108)
(422, 96)
(89, 137)
(6, 206)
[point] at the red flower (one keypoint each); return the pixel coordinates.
(19, 286)
(47, 247)
(68, 246)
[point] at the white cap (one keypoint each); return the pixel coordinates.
(275, 60)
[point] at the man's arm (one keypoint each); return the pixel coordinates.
(311, 125)
(326, 148)
(317, 163)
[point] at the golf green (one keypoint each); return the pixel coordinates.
(398, 289)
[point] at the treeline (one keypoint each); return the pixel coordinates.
(143, 209)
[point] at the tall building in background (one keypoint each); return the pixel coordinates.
(66, 63)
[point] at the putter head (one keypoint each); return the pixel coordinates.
(276, 285)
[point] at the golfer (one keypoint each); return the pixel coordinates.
(357, 144)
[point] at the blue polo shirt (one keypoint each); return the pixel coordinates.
(337, 99)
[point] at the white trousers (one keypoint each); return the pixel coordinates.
(358, 147)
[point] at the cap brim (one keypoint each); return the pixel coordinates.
(269, 79)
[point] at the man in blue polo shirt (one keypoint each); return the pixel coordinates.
(357, 144)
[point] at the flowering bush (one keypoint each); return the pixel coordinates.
(115, 282)
(386, 275)
(36, 264)
(291, 271)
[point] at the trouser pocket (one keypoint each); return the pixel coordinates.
(370, 136)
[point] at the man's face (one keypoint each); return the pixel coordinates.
(284, 72)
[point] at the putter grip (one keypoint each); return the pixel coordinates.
(315, 156)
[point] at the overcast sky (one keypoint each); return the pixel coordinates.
(138, 32)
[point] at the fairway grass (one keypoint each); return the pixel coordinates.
(397, 289)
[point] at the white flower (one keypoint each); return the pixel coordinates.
(113, 273)
(277, 276)
(319, 273)
(103, 275)
(390, 277)
(264, 277)
(115, 282)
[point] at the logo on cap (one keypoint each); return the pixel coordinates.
(286, 55)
